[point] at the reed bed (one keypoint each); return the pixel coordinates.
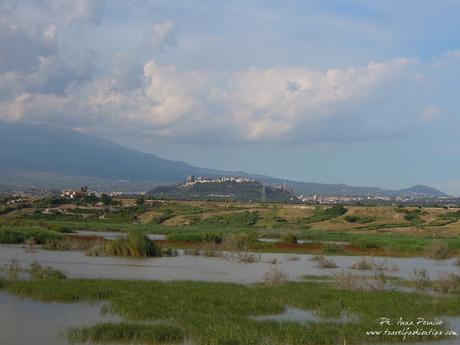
(218, 313)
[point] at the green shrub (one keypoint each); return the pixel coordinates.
(358, 219)
(240, 219)
(196, 237)
(19, 235)
(332, 248)
(136, 244)
(321, 215)
(438, 250)
(289, 238)
(38, 271)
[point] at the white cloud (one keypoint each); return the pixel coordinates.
(162, 36)
(89, 11)
(454, 53)
(248, 105)
(431, 112)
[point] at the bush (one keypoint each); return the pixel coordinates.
(239, 241)
(242, 219)
(421, 279)
(358, 219)
(289, 238)
(323, 262)
(274, 277)
(38, 271)
(362, 264)
(196, 237)
(332, 248)
(136, 244)
(438, 250)
(449, 283)
(326, 214)
(410, 217)
(13, 236)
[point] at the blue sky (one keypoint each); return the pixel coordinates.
(357, 92)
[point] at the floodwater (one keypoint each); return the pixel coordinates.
(184, 267)
(25, 321)
(110, 235)
(301, 316)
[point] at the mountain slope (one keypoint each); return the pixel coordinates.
(52, 157)
(27, 147)
(421, 190)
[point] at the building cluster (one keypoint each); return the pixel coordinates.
(80, 193)
(339, 199)
(191, 180)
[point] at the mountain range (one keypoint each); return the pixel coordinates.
(51, 157)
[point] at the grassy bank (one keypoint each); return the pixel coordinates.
(218, 313)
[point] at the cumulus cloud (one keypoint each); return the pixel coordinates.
(89, 11)
(162, 36)
(21, 46)
(431, 112)
(126, 72)
(248, 105)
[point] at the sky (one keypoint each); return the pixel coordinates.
(345, 91)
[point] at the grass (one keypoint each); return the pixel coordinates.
(136, 244)
(369, 230)
(125, 332)
(37, 271)
(438, 250)
(17, 235)
(196, 237)
(323, 262)
(217, 313)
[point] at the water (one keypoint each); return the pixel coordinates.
(25, 321)
(184, 267)
(301, 316)
(111, 235)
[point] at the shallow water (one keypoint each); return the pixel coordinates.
(184, 267)
(25, 321)
(301, 316)
(110, 235)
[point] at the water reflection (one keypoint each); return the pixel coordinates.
(25, 321)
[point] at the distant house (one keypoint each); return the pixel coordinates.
(73, 194)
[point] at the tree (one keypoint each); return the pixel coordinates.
(140, 200)
(106, 199)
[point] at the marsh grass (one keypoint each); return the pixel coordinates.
(324, 262)
(126, 333)
(68, 243)
(37, 271)
(218, 313)
(438, 250)
(292, 258)
(12, 269)
(448, 283)
(18, 234)
(246, 257)
(362, 264)
(274, 277)
(421, 279)
(30, 243)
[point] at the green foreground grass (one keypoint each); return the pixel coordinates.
(218, 313)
